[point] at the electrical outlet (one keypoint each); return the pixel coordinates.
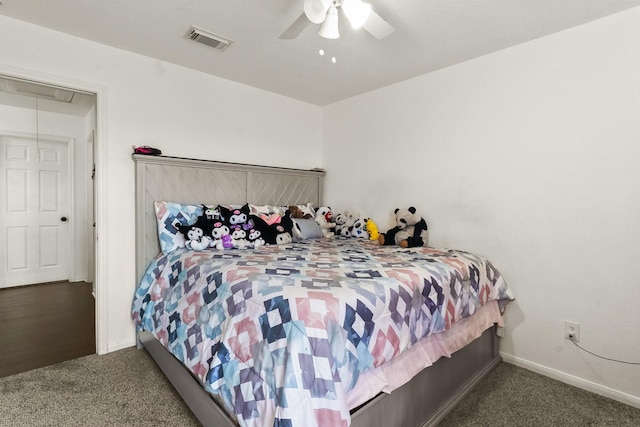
(572, 330)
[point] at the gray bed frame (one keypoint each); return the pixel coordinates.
(424, 401)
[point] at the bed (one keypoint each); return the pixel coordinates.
(324, 332)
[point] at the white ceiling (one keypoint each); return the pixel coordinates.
(430, 34)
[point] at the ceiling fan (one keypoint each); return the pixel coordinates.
(325, 13)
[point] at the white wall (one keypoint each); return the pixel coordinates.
(530, 156)
(183, 112)
(21, 120)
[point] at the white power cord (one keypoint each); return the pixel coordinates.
(571, 338)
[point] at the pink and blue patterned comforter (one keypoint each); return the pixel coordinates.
(282, 333)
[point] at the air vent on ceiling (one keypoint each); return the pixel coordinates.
(205, 37)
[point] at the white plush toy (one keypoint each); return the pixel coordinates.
(351, 216)
(221, 236)
(239, 237)
(307, 209)
(323, 218)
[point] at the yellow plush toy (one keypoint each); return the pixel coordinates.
(372, 229)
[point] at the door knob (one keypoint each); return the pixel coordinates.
(63, 219)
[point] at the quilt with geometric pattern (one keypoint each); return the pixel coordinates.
(281, 333)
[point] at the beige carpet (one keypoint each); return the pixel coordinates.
(512, 396)
(125, 388)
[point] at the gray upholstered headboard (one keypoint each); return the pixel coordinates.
(192, 181)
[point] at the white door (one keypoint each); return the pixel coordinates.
(34, 211)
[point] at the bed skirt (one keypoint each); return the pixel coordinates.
(423, 401)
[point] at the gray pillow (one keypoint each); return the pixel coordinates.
(305, 228)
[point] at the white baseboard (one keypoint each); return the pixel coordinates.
(619, 396)
(121, 345)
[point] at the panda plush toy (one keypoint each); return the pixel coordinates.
(410, 231)
(324, 216)
(339, 220)
(359, 229)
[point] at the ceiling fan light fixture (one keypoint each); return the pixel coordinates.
(316, 10)
(329, 28)
(357, 12)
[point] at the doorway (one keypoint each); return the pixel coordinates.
(46, 213)
(35, 202)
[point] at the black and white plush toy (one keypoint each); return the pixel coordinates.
(324, 218)
(235, 216)
(221, 236)
(345, 221)
(211, 213)
(255, 238)
(195, 237)
(359, 229)
(278, 233)
(410, 231)
(239, 236)
(284, 233)
(340, 221)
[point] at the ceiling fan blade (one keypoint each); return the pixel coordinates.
(378, 27)
(357, 12)
(296, 28)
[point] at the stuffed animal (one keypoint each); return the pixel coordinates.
(239, 237)
(194, 237)
(277, 233)
(410, 231)
(279, 210)
(255, 238)
(285, 230)
(340, 221)
(271, 218)
(323, 218)
(308, 210)
(221, 236)
(211, 214)
(203, 222)
(299, 212)
(372, 229)
(266, 230)
(359, 229)
(350, 217)
(226, 242)
(344, 230)
(235, 216)
(345, 221)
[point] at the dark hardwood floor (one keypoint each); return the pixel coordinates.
(45, 324)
